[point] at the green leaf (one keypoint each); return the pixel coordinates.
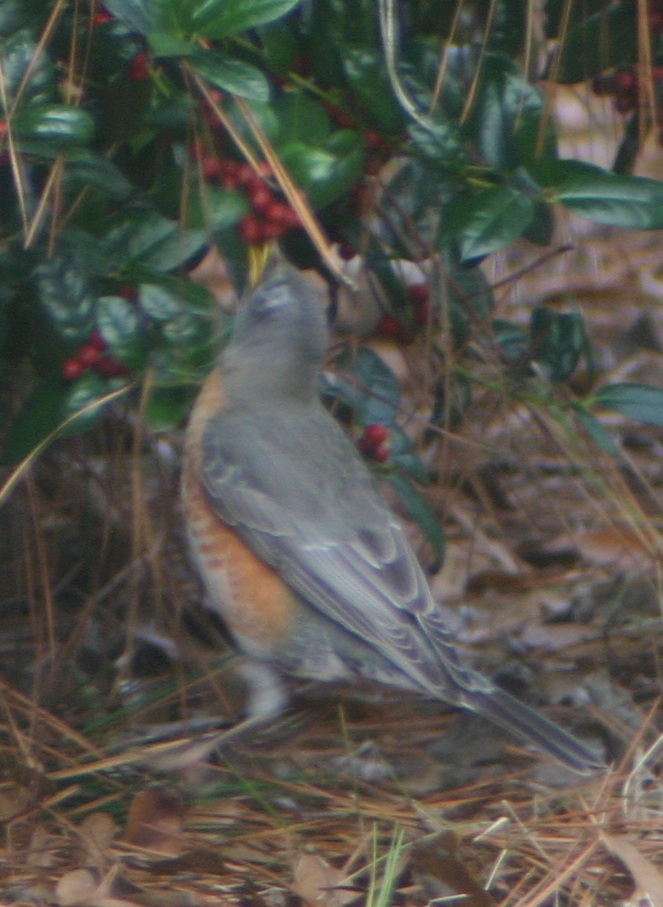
(173, 20)
(596, 431)
(366, 75)
(484, 222)
(325, 173)
(66, 298)
(169, 405)
(41, 413)
(234, 76)
(558, 340)
(120, 324)
(506, 118)
(402, 455)
(44, 410)
(145, 239)
(159, 303)
(368, 386)
(641, 402)
(53, 126)
(86, 169)
(27, 69)
(419, 511)
(606, 40)
(301, 119)
(512, 342)
(635, 202)
(141, 16)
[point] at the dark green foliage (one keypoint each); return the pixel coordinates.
(116, 176)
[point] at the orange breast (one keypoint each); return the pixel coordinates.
(257, 606)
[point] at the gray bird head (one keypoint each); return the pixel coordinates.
(279, 340)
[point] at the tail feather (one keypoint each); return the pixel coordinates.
(533, 728)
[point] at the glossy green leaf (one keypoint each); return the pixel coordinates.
(635, 202)
(65, 297)
(483, 222)
(142, 16)
(54, 125)
(366, 75)
(641, 402)
(146, 239)
(235, 76)
(26, 69)
(86, 169)
(558, 340)
(120, 324)
(301, 119)
(605, 40)
(184, 19)
(506, 119)
(366, 384)
(324, 173)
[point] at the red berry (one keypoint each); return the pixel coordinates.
(72, 369)
(280, 213)
(139, 70)
(260, 196)
(211, 168)
(656, 21)
(418, 293)
(626, 80)
(98, 341)
(88, 356)
(251, 230)
(342, 119)
(389, 326)
(271, 230)
(128, 292)
(375, 434)
(111, 367)
(382, 453)
(101, 17)
(422, 313)
(625, 103)
(373, 140)
(244, 174)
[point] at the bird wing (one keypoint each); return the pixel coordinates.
(295, 490)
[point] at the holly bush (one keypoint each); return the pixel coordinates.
(136, 134)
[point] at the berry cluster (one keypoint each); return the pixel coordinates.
(139, 67)
(374, 443)
(93, 355)
(270, 217)
(416, 315)
(624, 83)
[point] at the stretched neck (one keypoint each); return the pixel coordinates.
(255, 380)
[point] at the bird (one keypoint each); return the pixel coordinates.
(298, 551)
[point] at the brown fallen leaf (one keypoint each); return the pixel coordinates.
(443, 874)
(648, 879)
(155, 822)
(318, 884)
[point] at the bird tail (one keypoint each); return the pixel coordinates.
(533, 728)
